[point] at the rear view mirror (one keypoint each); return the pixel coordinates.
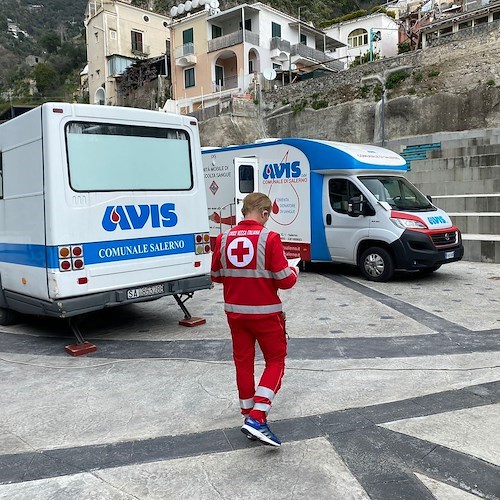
(356, 206)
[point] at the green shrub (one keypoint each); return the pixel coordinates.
(319, 104)
(396, 78)
(364, 90)
(433, 73)
(404, 47)
(490, 83)
(299, 106)
(418, 77)
(412, 91)
(377, 92)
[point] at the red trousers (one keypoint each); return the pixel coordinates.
(269, 332)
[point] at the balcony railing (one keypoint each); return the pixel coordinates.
(229, 82)
(280, 44)
(141, 50)
(184, 50)
(232, 39)
(315, 55)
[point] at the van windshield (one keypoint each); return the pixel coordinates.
(108, 157)
(397, 192)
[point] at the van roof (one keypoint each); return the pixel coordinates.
(329, 155)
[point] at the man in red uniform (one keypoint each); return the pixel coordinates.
(250, 262)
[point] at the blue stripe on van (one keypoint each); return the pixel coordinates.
(23, 254)
(99, 252)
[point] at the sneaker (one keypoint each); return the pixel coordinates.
(260, 431)
(249, 436)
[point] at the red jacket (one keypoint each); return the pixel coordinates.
(250, 261)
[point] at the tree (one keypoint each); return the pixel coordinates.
(50, 41)
(46, 78)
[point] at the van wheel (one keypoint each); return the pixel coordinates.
(376, 264)
(8, 317)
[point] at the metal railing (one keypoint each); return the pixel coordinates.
(315, 55)
(463, 34)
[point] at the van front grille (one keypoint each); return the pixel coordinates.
(445, 239)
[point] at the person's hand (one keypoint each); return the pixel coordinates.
(296, 269)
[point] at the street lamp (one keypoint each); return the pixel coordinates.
(382, 79)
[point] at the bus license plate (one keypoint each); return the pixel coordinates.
(145, 291)
(449, 255)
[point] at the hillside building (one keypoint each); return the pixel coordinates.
(216, 55)
(118, 34)
(371, 37)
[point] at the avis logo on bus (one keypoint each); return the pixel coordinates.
(283, 169)
(136, 217)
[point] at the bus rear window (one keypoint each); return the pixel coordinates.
(107, 157)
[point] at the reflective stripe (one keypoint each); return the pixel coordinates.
(246, 273)
(246, 404)
(265, 392)
(261, 248)
(223, 243)
(216, 274)
(262, 407)
(281, 275)
(237, 308)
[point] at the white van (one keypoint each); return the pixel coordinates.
(334, 202)
(99, 206)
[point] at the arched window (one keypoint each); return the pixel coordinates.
(357, 38)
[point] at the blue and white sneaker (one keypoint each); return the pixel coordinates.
(262, 432)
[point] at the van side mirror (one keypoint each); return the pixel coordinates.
(356, 206)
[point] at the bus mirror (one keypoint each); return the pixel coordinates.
(356, 206)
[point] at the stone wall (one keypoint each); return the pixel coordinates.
(451, 87)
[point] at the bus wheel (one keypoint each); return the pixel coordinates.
(376, 264)
(7, 317)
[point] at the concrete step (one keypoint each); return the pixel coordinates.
(468, 203)
(455, 174)
(481, 248)
(477, 223)
(456, 187)
(433, 164)
(458, 152)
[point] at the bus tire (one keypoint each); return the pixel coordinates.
(8, 317)
(376, 264)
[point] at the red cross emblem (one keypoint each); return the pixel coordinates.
(240, 252)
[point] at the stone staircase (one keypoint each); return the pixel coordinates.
(461, 171)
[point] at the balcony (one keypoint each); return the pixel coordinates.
(141, 50)
(232, 39)
(280, 49)
(184, 55)
(307, 55)
(229, 82)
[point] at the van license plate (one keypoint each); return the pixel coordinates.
(449, 255)
(145, 291)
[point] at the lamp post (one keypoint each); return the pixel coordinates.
(382, 79)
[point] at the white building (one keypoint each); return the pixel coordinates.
(355, 34)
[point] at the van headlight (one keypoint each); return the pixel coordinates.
(408, 223)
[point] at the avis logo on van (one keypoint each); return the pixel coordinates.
(136, 217)
(283, 169)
